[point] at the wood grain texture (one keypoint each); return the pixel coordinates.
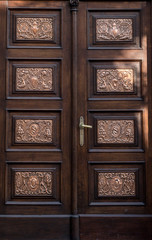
(114, 29)
(76, 58)
(114, 79)
(112, 106)
(40, 56)
(52, 227)
(34, 78)
(74, 48)
(132, 227)
(35, 28)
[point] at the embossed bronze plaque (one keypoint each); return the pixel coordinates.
(34, 28)
(33, 131)
(115, 80)
(29, 183)
(114, 29)
(34, 79)
(116, 184)
(115, 131)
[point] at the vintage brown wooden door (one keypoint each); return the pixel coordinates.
(75, 116)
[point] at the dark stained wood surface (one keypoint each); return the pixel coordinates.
(39, 159)
(77, 207)
(101, 158)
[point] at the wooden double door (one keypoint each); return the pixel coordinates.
(75, 117)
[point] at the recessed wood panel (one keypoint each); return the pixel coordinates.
(113, 29)
(34, 79)
(34, 28)
(115, 131)
(33, 131)
(35, 227)
(116, 184)
(114, 79)
(33, 184)
(110, 226)
(36, 159)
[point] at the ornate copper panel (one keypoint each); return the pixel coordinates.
(110, 29)
(115, 131)
(33, 131)
(116, 184)
(34, 28)
(33, 183)
(115, 80)
(34, 79)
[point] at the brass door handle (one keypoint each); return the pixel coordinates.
(82, 126)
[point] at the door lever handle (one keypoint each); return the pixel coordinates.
(82, 126)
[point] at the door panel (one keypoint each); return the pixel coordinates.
(112, 84)
(126, 20)
(22, 81)
(127, 72)
(36, 115)
(38, 28)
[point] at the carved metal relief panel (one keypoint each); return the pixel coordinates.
(33, 131)
(34, 79)
(33, 183)
(34, 28)
(114, 29)
(115, 131)
(115, 80)
(111, 29)
(116, 184)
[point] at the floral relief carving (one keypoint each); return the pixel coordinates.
(115, 131)
(110, 29)
(116, 184)
(33, 183)
(33, 131)
(34, 28)
(115, 80)
(34, 79)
